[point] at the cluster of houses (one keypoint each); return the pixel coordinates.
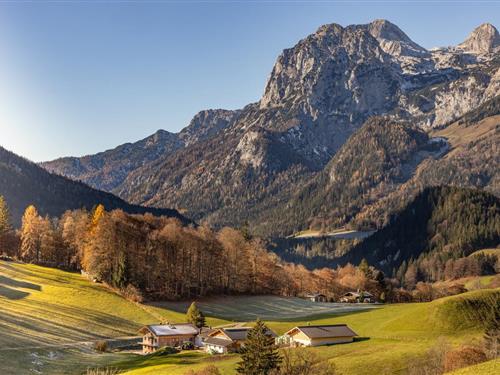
(231, 339)
(350, 297)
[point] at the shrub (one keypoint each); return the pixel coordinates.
(101, 346)
(187, 345)
(102, 371)
(167, 350)
(462, 357)
(133, 294)
(209, 370)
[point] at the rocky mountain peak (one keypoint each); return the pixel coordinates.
(483, 39)
(206, 124)
(393, 40)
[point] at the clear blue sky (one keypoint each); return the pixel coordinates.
(78, 77)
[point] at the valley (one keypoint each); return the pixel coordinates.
(345, 222)
(57, 316)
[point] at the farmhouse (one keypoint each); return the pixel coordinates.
(226, 340)
(316, 297)
(158, 336)
(356, 297)
(320, 335)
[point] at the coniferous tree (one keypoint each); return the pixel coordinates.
(5, 226)
(259, 355)
(492, 335)
(195, 316)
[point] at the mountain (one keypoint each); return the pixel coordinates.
(107, 170)
(377, 158)
(484, 39)
(250, 165)
(447, 220)
(23, 183)
(472, 161)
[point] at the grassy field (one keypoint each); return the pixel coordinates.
(390, 336)
(49, 320)
(249, 308)
(487, 368)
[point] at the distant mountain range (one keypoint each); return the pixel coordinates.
(353, 123)
(23, 183)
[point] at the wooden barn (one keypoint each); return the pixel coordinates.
(320, 335)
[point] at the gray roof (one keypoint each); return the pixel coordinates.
(217, 341)
(173, 329)
(241, 333)
(333, 330)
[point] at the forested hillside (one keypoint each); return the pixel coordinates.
(441, 223)
(23, 183)
(375, 160)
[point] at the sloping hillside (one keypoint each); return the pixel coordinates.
(473, 161)
(391, 336)
(49, 320)
(247, 165)
(375, 160)
(451, 220)
(23, 183)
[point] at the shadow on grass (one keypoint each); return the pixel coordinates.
(12, 294)
(9, 286)
(360, 339)
(19, 284)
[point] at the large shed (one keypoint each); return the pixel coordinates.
(320, 335)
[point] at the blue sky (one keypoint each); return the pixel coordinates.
(78, 77)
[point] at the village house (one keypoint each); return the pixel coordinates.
(155, 337)
(357, 297)
(320, 335)
(316, 297)
(227, 340)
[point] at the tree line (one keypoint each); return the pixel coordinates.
(146, 256)
(161, 258)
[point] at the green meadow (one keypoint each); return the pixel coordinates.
(50, 320)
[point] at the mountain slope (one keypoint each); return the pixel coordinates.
(449, 220)
(381, 155)
(107, 170)
(319, 93)
(473, 161)
(23, 183)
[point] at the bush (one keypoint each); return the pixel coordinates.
(187, 345)
(167, 350)
(103, 371)
(462, 357)
(209, 370)
(133, 294)
(101, 346)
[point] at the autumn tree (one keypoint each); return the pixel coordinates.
(195, 316)
(30, 235)
(259, 355)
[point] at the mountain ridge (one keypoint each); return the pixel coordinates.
(320, 92)
(23, 183)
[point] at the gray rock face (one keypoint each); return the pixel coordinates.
(108, 170)
(227, 167)
(484, 39)
(206, 124)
